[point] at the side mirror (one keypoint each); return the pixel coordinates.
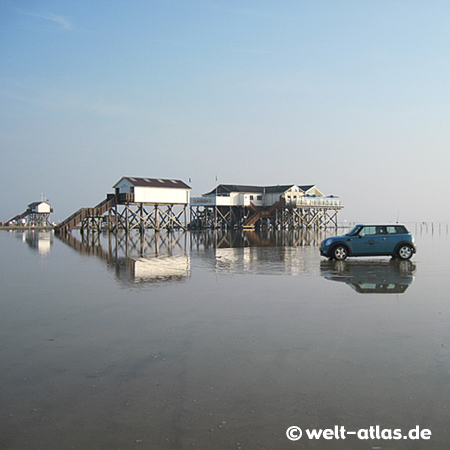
(362, 235)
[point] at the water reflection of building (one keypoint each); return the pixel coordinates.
(159, 268)
(166, 256)
(38, 240)
(137, 258)
(267, 252)
(371, 277)
(264, 260)
(264, 238)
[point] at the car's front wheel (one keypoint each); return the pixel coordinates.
(340, 252)
(405, 252)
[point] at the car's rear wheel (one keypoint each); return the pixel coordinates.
(340, 252)
(405, 252)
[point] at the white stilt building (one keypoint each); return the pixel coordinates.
(281, 206)
(137, 203)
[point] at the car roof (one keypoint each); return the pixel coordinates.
(382, 224)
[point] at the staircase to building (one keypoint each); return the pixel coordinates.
(19, 216)
(77, 217)
(259, 213)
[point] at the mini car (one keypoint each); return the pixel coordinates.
(370, 240)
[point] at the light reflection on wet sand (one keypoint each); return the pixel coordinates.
(107, 345)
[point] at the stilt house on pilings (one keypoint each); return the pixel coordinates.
(281, 207)
(137, 203)
(37, 214)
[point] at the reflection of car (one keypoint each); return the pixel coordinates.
(370, 240)
(371, 277)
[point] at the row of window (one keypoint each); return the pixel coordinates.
(373, 230)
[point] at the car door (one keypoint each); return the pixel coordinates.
(369, 241)
(385, 241)
(393, 237)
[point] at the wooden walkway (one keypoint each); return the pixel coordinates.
(83, 214)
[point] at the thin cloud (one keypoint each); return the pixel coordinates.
(59, 20)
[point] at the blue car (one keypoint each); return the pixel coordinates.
(370, 240)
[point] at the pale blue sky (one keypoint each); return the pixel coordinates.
(353, 96)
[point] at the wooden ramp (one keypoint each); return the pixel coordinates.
(79, 216)
(19, 216)
(250, 223)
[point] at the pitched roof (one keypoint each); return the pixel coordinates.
(306, 187)
(155, 182)
(34, 204)
(278, 188)
(227, 188)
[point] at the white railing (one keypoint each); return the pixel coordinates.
(199, 201)
(304, 201)
(299, 202)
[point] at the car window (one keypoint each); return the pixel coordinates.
(396, 229)
(354, 231)
(369, 231)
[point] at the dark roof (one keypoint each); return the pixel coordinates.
(155, 182)
(227, 188)
(278, 188)
(34, 204)
(305, 187)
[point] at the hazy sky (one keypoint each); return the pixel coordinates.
(353, 96)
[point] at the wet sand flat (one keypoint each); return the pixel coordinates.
(219, 342)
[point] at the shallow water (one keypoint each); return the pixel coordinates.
(219, 341)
